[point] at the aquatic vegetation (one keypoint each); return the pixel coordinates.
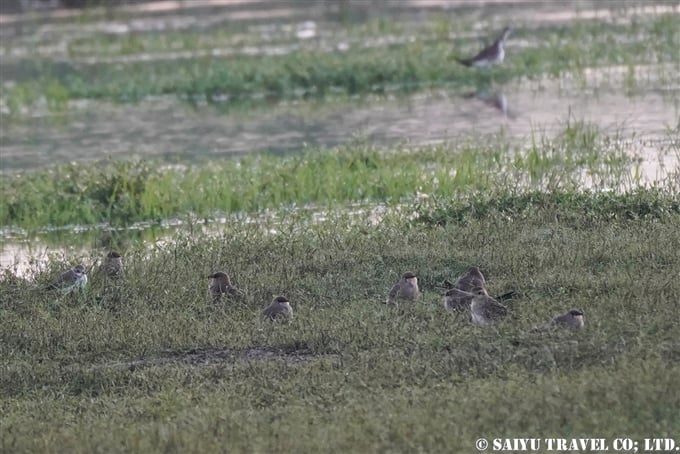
(122, 192)
(315, 70)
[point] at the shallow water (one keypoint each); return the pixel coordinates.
(25, 254)
(640, 106)
(168, 130)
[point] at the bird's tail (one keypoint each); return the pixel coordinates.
(507, 296)
(464, 61)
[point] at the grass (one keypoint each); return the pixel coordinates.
(123, 192)
(593, 207)
(314, 71)
(146, 363)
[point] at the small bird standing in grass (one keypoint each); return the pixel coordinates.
(73, 279)
(406, 288)
(491, 55)
(113, 265)
(280, 307)
(460, 294)
(572, 319)
(486, 310)
(221, 285)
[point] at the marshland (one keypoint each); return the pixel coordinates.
(318, 150)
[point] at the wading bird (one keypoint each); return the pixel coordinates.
(492, 55)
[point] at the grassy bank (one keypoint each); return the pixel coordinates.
(316, 69)
(122, 192)
(148, 364)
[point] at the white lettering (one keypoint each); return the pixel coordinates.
(516, 444)
(576, 444)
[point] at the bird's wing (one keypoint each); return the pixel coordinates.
(108, 268)
(233, 291)
(113, 269)
(394, 293)
(457, 299)
(271, 311)
(485, 54)
(494, 310)
(465, 61)
(66, 278)
(215, 288)
(563, 320)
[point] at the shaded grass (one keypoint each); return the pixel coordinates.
(640, 203)
(123, 192)
(412, 378)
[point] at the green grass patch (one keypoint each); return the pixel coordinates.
(147, 363)
(123, 192)
(596, 206)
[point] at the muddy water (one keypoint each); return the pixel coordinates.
(168, 130)
(163, 128)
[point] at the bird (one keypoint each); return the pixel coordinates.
(491, 55)
(72, 279)
(406, 288)
(221, 285)
(572, 319)
(280, 307)
(486, 310)
(458, 300)
(470, 280)
(113, 264)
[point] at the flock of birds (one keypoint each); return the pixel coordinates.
(112, 267)
(467, 294)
